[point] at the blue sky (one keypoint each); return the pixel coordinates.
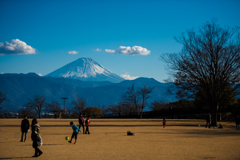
(52, 29)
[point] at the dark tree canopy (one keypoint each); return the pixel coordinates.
(208, 67)
(92, 111)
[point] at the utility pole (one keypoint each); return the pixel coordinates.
(64, 98)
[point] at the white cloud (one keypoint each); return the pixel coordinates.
(128, 77)
(16, 47)
(135, 50)
(110, 51)
(73, 52)
(97, 50)
(39, 74)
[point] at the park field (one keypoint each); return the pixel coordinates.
(180, 140)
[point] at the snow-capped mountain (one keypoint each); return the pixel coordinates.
(85, 69)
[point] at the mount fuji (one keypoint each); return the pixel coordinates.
(85, 69)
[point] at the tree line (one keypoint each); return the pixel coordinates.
(131, 103)
(38, 103)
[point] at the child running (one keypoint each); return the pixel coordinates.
(164, 122)
(75, 132)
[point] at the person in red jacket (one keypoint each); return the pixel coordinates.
(87, 122)
(164, 122)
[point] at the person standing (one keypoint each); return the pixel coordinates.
(35, 136)
(81, 122)
(208, 120)
(87, 122)
(237, 122)
(24, 128)
(164, 122)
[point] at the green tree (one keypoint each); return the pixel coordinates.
(93, 111)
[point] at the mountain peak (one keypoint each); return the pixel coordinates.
(84, 58)
(85, 69)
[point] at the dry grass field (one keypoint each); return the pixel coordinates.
(181, 140)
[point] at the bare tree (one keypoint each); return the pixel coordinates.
(131, 100)
(124, 103)
(54, 107)
(36, 104)
(144, 94)
(208, 67)
(105, 110)
(116, 109)
(3, 97)
(79, 104)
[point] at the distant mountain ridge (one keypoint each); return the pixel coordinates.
(85, 69)
(20, 87)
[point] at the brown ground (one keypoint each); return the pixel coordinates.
(182, 139)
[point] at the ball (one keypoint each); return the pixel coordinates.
(66, 138)
(106, 133)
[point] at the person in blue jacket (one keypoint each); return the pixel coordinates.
(75, 132)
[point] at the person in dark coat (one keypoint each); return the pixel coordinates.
(237, 122)
(24, 128)
(81, 122)
(35, 136)
(208, 120)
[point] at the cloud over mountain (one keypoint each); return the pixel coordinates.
(128, 77)
(16, 47)
(135, 50)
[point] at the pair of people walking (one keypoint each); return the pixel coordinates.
(81, 124)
